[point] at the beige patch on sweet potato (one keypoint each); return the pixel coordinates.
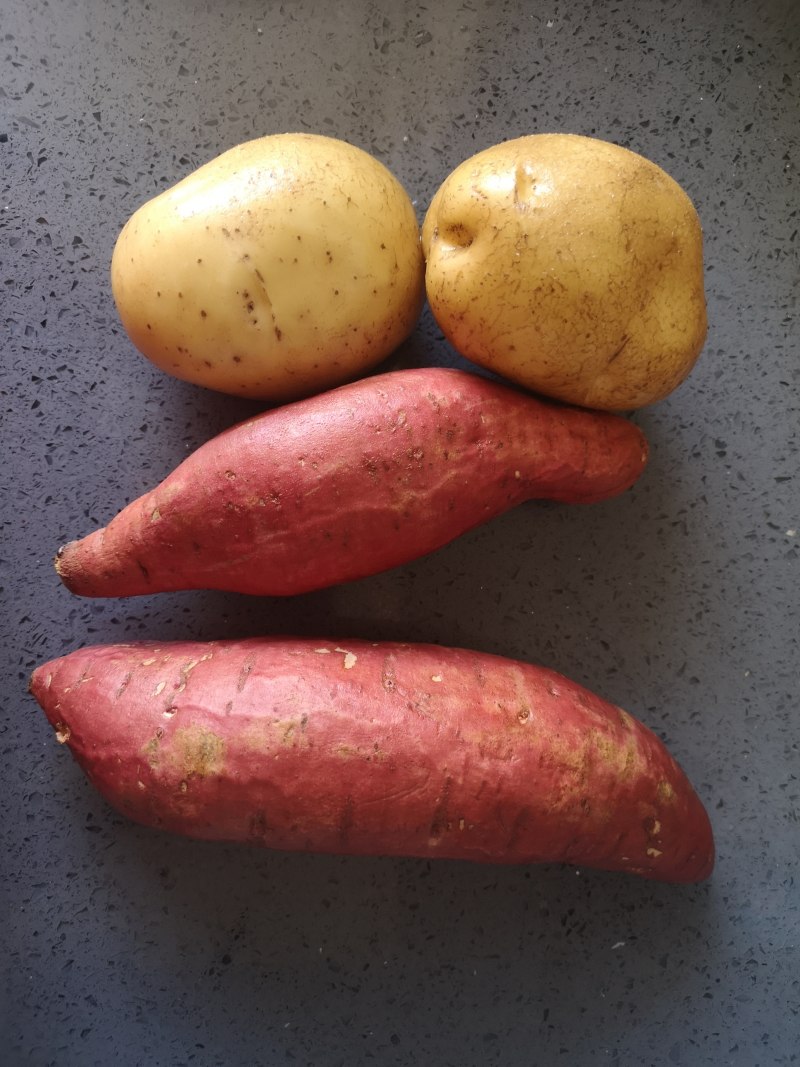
(197, 752)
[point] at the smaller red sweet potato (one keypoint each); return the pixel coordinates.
(384, 749)
(350, 483)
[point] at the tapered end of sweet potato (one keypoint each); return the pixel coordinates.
(39, 685)
(90, 567)
(72, 577)
(58, 564)
(617, 461)
(695, 863)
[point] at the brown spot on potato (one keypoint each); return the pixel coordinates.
(244, 674)
(287, 733)
(618, 352)
(665, 792)
(63, 733)
(151, 751)
(123, 685)
(388, 678)
(199, 751)
(457, 235)
(370, 466)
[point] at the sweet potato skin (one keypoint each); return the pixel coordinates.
(350, 483)
(375, 748)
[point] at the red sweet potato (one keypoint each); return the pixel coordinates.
(350, 483)
(385, 749)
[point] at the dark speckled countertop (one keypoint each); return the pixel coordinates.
(678, 601)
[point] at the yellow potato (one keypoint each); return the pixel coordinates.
(570, 265)
(286, 265)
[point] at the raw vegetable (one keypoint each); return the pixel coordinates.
(288, 264)
(570, 265)
(350, 483)
(375, 748)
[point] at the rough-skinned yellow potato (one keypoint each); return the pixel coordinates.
(285, 266)
(571, 266)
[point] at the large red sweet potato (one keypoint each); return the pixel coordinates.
(350, 483)
(390, 749)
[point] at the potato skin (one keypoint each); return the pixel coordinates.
(350, 483)
(284, 266)
(571, 266)
(375, 748)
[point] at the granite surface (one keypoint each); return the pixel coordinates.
(678, 601)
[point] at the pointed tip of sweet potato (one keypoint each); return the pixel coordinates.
(64, 568)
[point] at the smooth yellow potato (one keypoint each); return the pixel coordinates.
(285, 266)
(571, 266)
